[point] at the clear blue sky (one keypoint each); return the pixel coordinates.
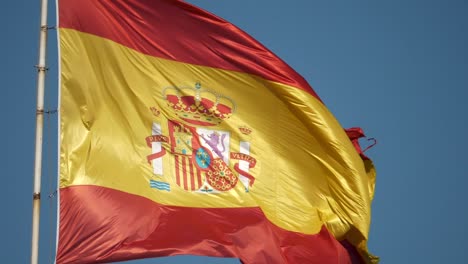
(398, 69)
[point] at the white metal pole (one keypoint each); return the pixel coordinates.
(41, 71)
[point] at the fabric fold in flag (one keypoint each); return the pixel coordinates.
(181, 134)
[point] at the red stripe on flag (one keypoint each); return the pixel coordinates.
(101, 225)
(184, 171)
(177, 168)
(192, 176)
(199, 178)
(176, 30)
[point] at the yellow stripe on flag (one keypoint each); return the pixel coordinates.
(307, 172)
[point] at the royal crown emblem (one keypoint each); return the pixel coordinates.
(199, 106)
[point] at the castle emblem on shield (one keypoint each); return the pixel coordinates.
(204, 155)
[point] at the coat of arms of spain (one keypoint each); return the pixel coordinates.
(198, 148)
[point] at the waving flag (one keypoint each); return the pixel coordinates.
(181, 134)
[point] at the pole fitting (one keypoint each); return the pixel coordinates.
(36, 196)
(45, 28)
(41, 68)
(39, 111)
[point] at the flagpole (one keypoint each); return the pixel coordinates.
(41, 71)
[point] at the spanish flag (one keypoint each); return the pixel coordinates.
(181, 134)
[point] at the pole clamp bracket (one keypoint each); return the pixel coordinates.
(41, 68)
(45, 28)
(36, 196)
